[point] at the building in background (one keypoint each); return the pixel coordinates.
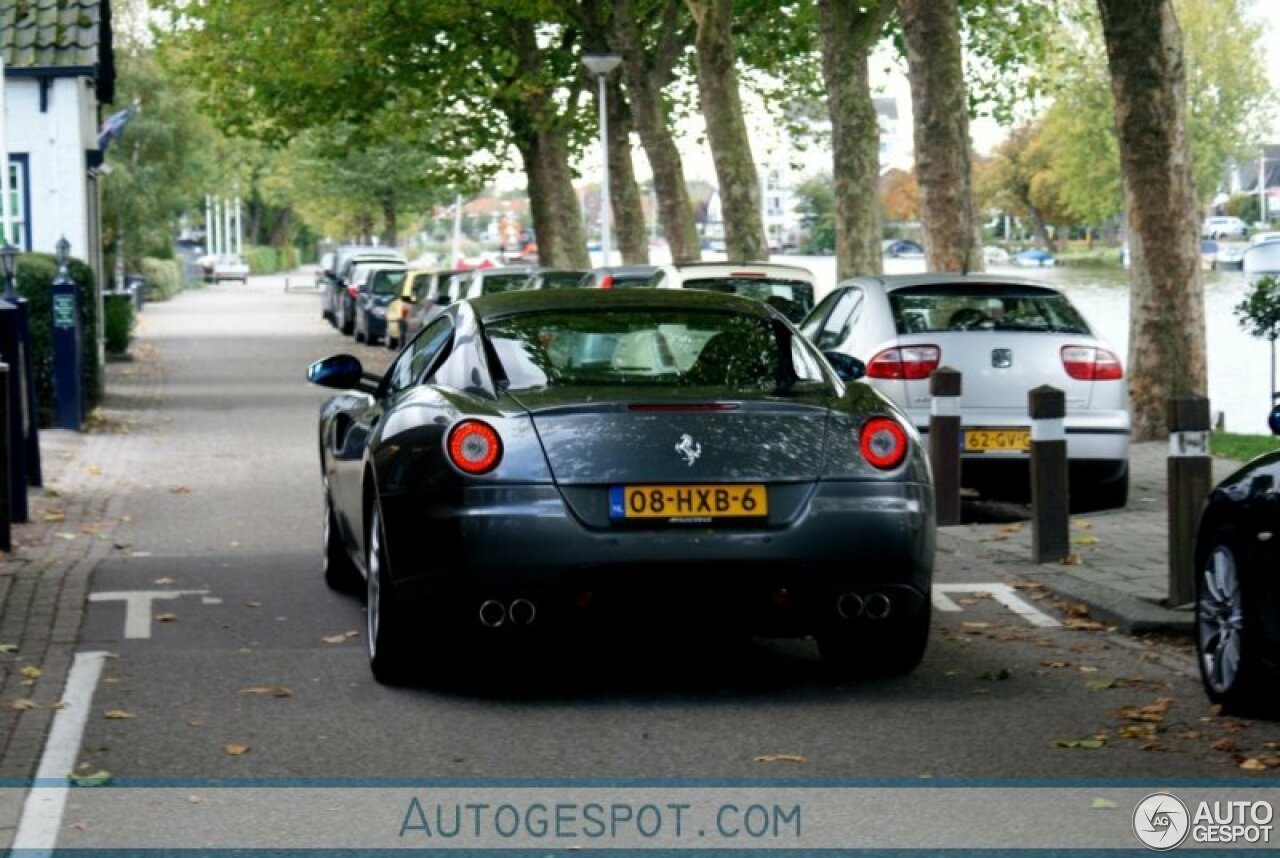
(59, 69)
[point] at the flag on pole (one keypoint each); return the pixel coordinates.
(113, 126)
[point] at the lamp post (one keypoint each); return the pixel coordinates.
(600, 65)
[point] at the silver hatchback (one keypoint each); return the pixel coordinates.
(1006, 335)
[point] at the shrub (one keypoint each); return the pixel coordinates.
(263, 260)
(163, 276)
(35, 281)
(117, 322)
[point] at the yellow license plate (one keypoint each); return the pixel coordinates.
(689, 502)
(997, 440)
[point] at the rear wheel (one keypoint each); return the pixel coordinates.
(1226, 628)
(339, 572)
(347, 322)
(1111, 494)
(387, 626)
(887, 648)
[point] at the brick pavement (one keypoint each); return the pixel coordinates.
(1123, 555)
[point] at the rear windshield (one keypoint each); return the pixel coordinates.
(793, 298)
(495, 283)
(920, 310)
(648, 347)
(561, 279)
(386, 282)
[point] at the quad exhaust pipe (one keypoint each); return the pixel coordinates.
(494, 614)
(852, 606)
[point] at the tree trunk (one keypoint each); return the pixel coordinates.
(390, 232)
(849, 30)
(1166, 294)
(624, 193)
(540, 137)
(644, 93)
(940, 108)
(721, 105)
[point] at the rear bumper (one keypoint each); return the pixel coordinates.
(511, 542)
(1091, 436)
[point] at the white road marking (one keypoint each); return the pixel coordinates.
(1002, 593)
(137, 607)
(42, 812)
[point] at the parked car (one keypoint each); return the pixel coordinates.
(1223, 227)
(331, 275)
(375, 294)
(687, 454)
(1006, 335)
(1237, 589)
(1263, 238)
(491, 281)
(556, 278)
(903, 248)
(620, 276)
(353, 274)
(326, 263)
(787, 288)
(1230, 256)
(417, 283)
(994, 255)
(1034, 258)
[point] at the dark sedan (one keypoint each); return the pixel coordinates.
(373, 297)
(1238, 588)
(562, 458)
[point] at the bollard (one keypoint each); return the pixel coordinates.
(65, 299)
(945, 442)
(6, 535)
(10, 354)
(1050, 522)
(1190, 478)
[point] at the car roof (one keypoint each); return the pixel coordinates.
(550, 300)
(728, 267)
(891, 282)
(626, 269)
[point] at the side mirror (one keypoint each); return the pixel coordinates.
(341, 372)
(848, 368)
(1274, 420)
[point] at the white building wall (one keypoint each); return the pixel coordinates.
(55, 143)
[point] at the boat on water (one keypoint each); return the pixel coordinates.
(1034, 258)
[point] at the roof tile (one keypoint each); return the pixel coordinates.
(50, 33)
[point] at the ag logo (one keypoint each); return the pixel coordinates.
(1161, 821)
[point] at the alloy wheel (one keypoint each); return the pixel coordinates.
(374, 583)
(1221, 620)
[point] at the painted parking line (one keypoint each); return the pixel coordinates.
(42, 812)
(137, 606)
(1002, 593)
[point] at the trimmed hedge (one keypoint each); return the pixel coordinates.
(163, 276)
(35, 281)
(117, 323)
(265, 259)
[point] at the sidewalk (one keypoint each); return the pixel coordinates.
(1119, 566)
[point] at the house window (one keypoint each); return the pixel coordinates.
(18, 196)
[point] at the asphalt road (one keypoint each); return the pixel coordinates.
(225, 507)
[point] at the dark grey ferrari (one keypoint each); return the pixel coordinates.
(561, 459)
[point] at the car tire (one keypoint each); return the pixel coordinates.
(360, 337)
(387, 625)
(1227, 628)
(886, 649)
(348, 324)
(393, 343)
(1111, 494)
(339, 572)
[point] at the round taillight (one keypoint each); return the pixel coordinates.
(474, 448)
(883, 442)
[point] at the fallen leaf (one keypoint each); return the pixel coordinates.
(31, 671)
(1081, 524)
(1191, 734)
(1009, 528)
(1071, 560)
(1087, 539)
(996, 675)
(1085, 744)
(67, 536)
(1137, 731)
(968, 625)
(194, 799)
(1154, 746)
(195, 723)
(1100, 684)
(265, 690)
(54, 515)
(1083, 625)
(1103, 804)
(231, 749)
(118, 714)
(100, 778)
(22, 704)
(253, 604)
(1055, 664)
(60, 705)
(1224, 744)
(781, 758)
(165, 582)
(93, 470)
(1079, 609)
(1088, 668)
(8, 648)
(1215, 710)
(336, 639)
(166, 618)
(79, 826)
(179, 490)
(1253, 764)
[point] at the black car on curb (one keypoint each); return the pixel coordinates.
(564, 459)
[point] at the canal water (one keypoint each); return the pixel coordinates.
(1239, 368)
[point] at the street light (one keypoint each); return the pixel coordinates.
(9, 259)
(600, 65)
